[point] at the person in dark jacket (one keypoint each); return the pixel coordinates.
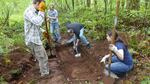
(77, 31)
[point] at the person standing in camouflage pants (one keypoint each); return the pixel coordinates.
(33, 19)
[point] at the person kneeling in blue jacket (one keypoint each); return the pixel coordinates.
(122, 61)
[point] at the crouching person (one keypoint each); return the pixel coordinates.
(122, 61)
(33, 19)
(76, 30)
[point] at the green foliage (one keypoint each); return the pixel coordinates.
(134, 22)
(15, 73)
(2, 80)
(32, 82)
(18, 39)
(146, 80)
(5, 43)
(1, 51)
(95, 22)
(139, 42)
(96, 35)
(15, 38)
(11, 24)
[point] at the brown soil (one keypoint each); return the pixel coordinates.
(65, 69)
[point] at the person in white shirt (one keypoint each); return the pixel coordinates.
(54, 25)
(33, 19)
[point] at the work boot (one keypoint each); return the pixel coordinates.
(46, 75)
(113, 75)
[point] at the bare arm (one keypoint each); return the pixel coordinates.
(120, 54)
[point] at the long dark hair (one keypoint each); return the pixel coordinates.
(118, 37)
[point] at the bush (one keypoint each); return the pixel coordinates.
(2, 80)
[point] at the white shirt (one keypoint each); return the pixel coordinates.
(53, 13)
(32, 22)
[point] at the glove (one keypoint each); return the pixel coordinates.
(42, 6)
(113, 48)
(104, 59)
(45, 34)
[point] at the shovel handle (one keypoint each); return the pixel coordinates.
(113, 31)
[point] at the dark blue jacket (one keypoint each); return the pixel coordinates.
(76, 27)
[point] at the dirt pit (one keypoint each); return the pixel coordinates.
(65, 69)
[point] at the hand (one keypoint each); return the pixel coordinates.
(76, 44)
(74, 47)
(104, 59)
(113, 47)
(64, 42)
(42, 6)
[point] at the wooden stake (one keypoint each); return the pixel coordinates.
(113, 31)
(48, 36)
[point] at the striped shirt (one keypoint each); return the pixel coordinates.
(32, 23)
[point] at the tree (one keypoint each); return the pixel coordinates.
(88, 3)
(77, 2)
(122, 4)
(110, 4)
(105, 1)
(95, 4)
(73, 4)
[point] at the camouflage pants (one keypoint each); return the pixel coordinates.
(40, 54)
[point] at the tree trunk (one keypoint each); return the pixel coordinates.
(127, 4)
(77, 2)
(82, 2)
(88, 3)
(95, 5)
(105, 1)
(110, 5)
(73, 4)
(122, 4)
(95, 2)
